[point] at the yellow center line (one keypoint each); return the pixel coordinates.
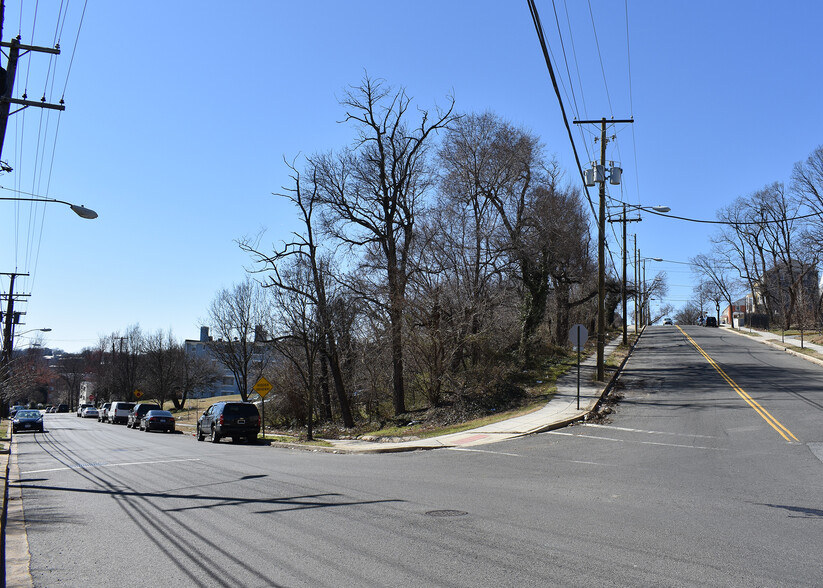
(775, 424)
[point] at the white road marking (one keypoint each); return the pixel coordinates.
(483, 451)
(648, 432)
(107, 465)
(596, 437)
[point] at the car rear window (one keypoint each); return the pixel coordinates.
(240, 410)
(159, 413)
(124, 405)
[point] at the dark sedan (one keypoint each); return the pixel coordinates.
(27, 420)
(157, 420)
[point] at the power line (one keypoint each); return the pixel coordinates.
(542, 38)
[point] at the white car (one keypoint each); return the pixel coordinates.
(90, 413)
(667, 321)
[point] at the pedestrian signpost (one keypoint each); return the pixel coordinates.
(578, 335)
(263, 387)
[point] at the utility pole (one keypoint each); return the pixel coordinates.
(10, 319)
(598, 175)
(7, 84)
(636, 286)
(623, 289)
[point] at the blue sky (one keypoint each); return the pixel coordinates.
(179, 114)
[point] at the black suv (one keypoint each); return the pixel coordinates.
(140, 409)
(711, 321)
(238, 420)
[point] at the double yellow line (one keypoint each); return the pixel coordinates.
(775, 424)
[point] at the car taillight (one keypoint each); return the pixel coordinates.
(220, 420)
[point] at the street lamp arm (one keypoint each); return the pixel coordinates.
(79, 210)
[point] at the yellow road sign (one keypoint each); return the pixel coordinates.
(262, 387)
(138, 394)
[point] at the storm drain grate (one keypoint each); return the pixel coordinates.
(446, 513)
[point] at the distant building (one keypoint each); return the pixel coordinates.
(736, 311)
(771, 292)
(87, 392)
(204, 348)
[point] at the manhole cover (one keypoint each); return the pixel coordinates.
(446, 513)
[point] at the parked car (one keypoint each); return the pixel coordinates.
(711, 321)
(82, 407)
(90, 412)
(137, 412)
(62, 408)
(119, 412)
(13, 410)
(157, 420)
(27, 420)
(103, 412)
(49, 408)
(238, 420)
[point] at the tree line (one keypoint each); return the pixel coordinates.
(769, 246)
(437, 254)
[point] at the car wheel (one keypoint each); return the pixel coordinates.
(199, 434)
(215, 437)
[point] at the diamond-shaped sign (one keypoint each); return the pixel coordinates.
(262, 387)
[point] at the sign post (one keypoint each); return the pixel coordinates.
(578, 335)
(263, 387)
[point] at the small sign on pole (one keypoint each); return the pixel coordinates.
(578, 335)
(263, 387)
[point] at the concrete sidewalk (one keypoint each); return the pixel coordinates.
(560, 411)
(774, 340)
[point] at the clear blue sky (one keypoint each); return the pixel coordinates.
(178, 116)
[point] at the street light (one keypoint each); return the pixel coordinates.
(13, 334)
(81, 211)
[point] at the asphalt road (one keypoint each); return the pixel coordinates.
(687, 483)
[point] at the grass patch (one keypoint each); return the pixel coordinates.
(803, 350)
(424, 431)
(195, 407)
(4, 435)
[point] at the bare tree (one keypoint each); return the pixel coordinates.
(305, 249)
(163, 359)
(501, 171)
(236, 316)
(72, 370)
(718, 282)
(299, 332)
(196, 373)
(372, 193)
(689, 314)
(118, 372)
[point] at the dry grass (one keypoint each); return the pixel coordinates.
(195, 407)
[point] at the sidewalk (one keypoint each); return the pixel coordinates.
(560, 411)
(774, 340)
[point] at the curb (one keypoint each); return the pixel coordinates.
(618, 371)
(781, 347)
(388, 448)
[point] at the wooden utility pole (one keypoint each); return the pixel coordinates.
(623, 289)
(600, 176)
(7, 85)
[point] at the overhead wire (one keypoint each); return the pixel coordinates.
(542, 38)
